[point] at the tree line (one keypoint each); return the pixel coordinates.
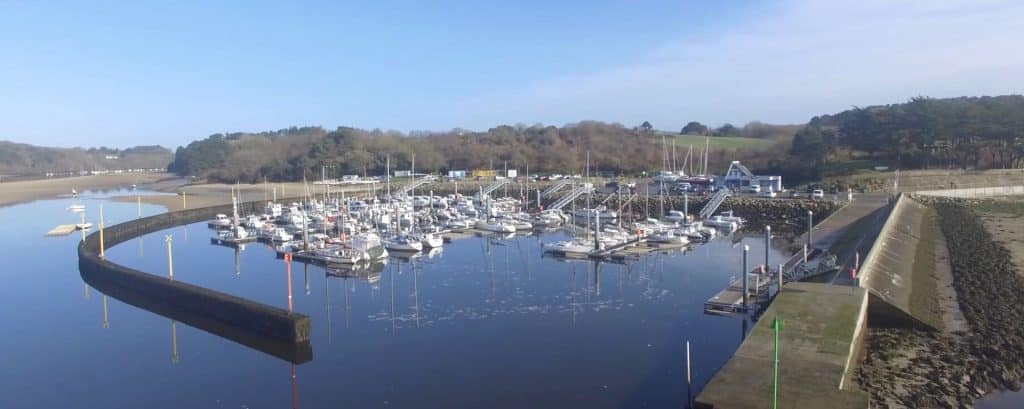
(291, 154)
(964, 132)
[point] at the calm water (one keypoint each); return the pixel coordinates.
(486, 322)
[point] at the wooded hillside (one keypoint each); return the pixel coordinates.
(25, 159)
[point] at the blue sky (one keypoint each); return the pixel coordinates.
(121, 74)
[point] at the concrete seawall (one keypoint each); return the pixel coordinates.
(974, 192)
(228, 311)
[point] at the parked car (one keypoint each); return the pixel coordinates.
(818, 194)
(768, 193)
(754, 188)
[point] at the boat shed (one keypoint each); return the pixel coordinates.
(739, 177)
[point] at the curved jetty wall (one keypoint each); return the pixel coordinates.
(256, 318)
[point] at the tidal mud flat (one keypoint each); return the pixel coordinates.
(951, 369)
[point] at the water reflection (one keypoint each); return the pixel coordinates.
(478, 304)
(292, 352)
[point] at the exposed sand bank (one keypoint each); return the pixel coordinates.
(29, 190)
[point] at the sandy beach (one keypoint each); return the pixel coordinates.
(210, 194)
(29, 190)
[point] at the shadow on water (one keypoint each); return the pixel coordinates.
(295, 353)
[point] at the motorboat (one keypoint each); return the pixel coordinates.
(76, 208)
(459, 224)
(370, 243)
(431, 240)
(669, 237)
(495, 225)
(220, 221)
(276, 234)
(339, 255)
(675, 216)
(721, 223)
(568, 247)
(516, 223)
(403, 242)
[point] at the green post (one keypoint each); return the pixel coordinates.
(777, 326)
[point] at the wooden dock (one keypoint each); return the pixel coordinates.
(232, 242)
(62, 230)
(730, 300)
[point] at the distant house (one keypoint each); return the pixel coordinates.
(483, 173)
(739, 177)
(457, 174)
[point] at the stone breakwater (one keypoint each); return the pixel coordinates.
(787, 217)
(905, 368)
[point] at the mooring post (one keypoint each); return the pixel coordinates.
(805, 253)
(184, 203)
(170, 262)
(102, 255)
(288, 268)
(746, 249)
(767, 245)
(810, 228)
(138, 200)
(686, 207)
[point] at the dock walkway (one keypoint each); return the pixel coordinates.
(821, 326)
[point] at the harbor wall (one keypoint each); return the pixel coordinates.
(887, 271)
(974, 192)
(786, 216)
(235, 312)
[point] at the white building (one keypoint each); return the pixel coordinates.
(741, 178)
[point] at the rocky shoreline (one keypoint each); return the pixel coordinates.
(909, 368)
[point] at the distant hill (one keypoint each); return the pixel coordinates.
(25, 159)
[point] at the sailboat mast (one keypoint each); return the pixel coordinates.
(707, 149)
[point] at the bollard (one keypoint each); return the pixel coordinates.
(689, 396)
(102, 255)
(746, 249)
(805, 253)
(810, 228)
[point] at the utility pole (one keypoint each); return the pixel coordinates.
(170, 262)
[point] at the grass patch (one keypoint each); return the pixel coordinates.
(924, 290)
(1003, 207)
(720, 143)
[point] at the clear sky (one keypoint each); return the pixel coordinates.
(142, 72)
